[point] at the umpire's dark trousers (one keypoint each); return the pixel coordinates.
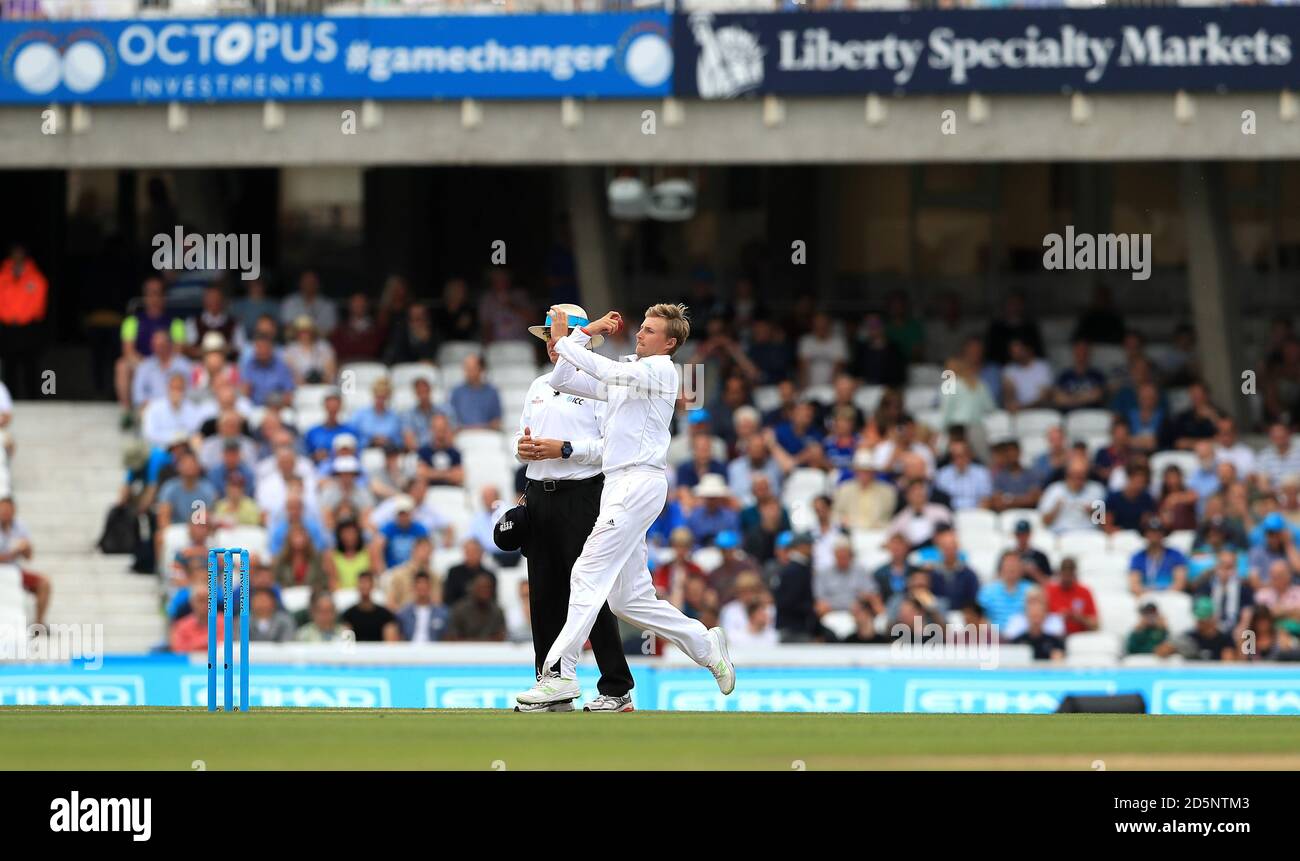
(561, 515)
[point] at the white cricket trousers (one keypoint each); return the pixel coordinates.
(612, 568)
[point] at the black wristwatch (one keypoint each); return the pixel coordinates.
(566, 449)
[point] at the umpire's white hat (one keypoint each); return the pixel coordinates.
(577, 317)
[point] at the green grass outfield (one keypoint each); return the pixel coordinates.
(82, 739)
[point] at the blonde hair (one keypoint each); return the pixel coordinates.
(679, 325)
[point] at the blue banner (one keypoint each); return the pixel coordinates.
(176, 681)
(1011, 51)
(233, 59)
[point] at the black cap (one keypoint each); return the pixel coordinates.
(1149, 608)
(1023, 526)
(1153, 524)
(511, 531)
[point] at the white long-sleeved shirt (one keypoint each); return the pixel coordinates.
(641, 396)
(551, 414)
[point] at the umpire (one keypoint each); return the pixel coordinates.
(559, 439)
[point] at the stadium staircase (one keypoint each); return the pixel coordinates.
(66, 472)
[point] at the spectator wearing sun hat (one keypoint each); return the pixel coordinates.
(864, 502)
(715, 511)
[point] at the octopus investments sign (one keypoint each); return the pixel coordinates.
(1003, 50)
(517, 56)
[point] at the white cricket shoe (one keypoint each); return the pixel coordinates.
(544, 707)
(724, 671)
(550, 688)
(607, 703)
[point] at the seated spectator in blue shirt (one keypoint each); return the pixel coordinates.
(701, 463)
(967, 483)
(1147, 418)
(178, 496)
(319, 440)
(230, 462)
(1156, 567)
(440, 459)
(417, 429)
(295, 514)
(475, 403)
(714, 512)
(396, 539)
(800, 432)
(1131, 507)
(267, 380)
(1080, 386)
(757, 458)
(1013, 485)
(377, 425)
(1004, 598)
(841, 443)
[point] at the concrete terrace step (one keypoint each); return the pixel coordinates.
(66, 474)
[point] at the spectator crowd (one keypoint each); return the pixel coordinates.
(831, 479)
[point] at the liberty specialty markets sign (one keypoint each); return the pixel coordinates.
(724, 56)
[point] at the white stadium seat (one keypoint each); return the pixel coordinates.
(254, 539)
(932, 419)
(310, 397)
(446, 558)
(357, 377)
(1080, 424)
(1081, 542)
(505, 353)
(975, 520)
(1093, 647)
(1175, 607)
(372, 460)
(1117, 612)
(929, 376)
(917, 399)
(1126, 541)
(767, 398)
(1035, 422)
(452, 353)
(1179, 400)
(824, 395)
(1184, 460)
(1108, 358)
(513, 376)
(867, 398)
(1008, 519)
(707, 558)
(295, 598)
(472, 442)
(997, 425)
(1031, 447)
(404, 375)
(1181, 540)
(802, 485)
